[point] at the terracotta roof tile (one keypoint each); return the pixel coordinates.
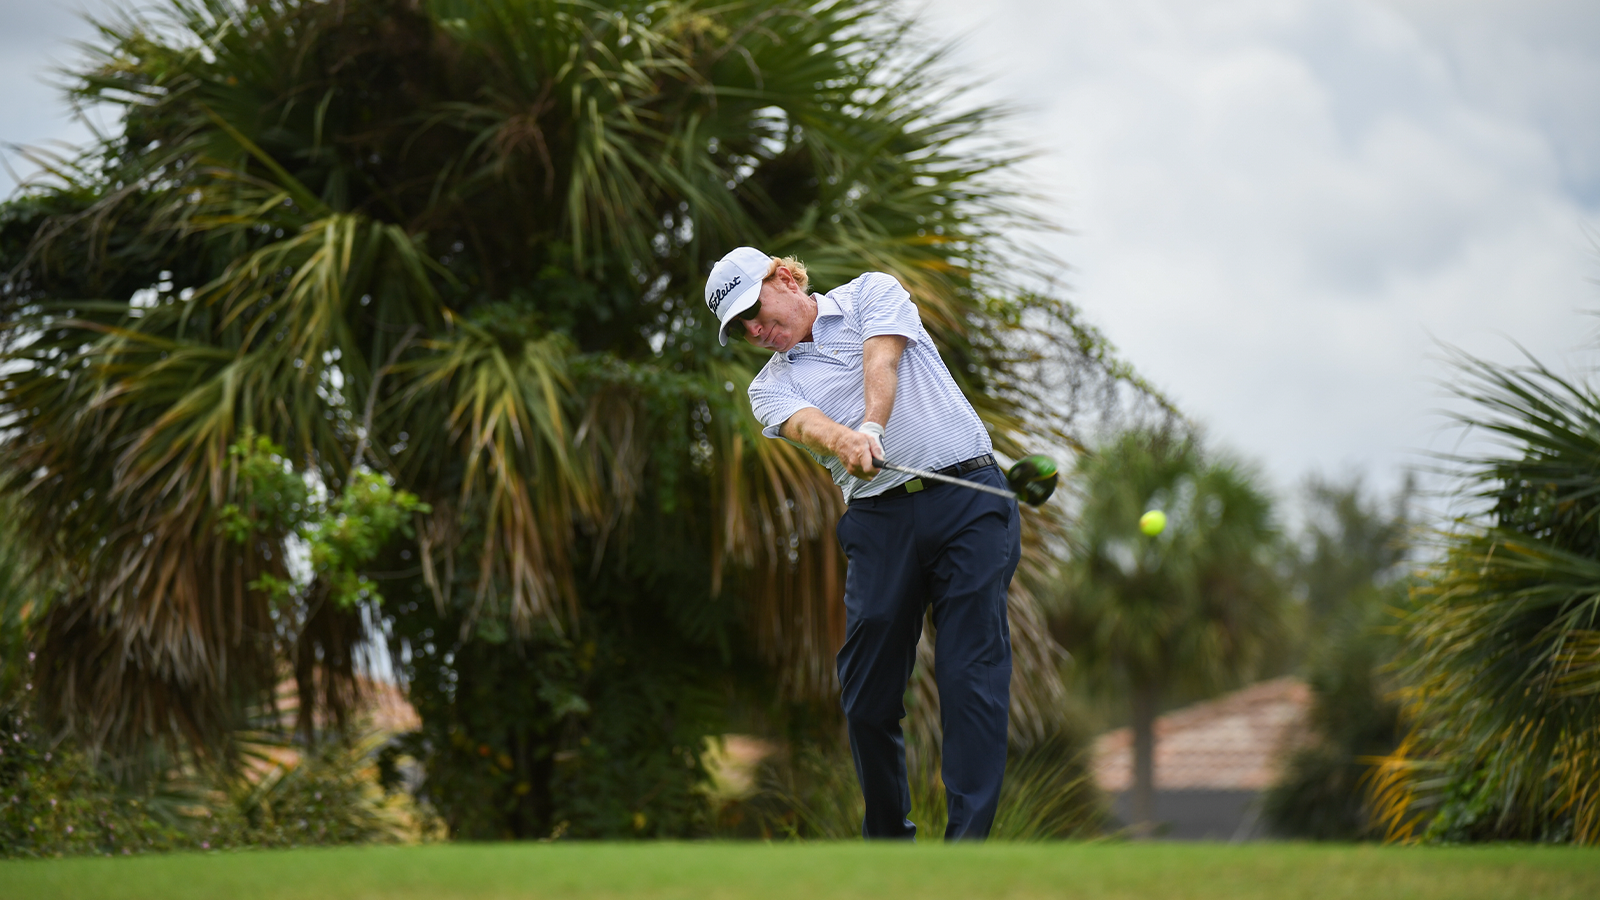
(1234, 742)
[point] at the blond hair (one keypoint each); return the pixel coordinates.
(795, 267)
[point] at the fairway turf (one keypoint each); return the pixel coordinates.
(816, 871)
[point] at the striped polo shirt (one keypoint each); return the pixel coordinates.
(931, 426)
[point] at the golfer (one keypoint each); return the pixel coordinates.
(854, 377)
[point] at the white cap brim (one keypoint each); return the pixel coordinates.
(745, 298)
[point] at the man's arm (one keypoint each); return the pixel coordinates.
(880, 367)
(880, 364)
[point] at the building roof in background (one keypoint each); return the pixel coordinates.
(1235, 742)
(386, 703)
(381, 706)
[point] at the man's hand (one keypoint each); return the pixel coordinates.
(863, 468)
(855, 449)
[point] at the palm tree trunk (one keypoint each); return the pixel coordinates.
(1144, 760)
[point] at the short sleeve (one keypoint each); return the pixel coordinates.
(883, 306)
(774, 398)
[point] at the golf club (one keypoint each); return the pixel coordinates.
(1032, 479)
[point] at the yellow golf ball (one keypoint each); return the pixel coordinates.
(1153, 522)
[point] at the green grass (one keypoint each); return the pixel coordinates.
(817, 871)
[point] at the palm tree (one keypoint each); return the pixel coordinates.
(1501, 643)
(460, 244)
(1194, 607)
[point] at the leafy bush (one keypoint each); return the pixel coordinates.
(58, 799)
(1048, 793)
(804, 792)
(331, 794)
(593, 734)
(55, 802)
(1501, 652)
(59, 802)
(342, 534)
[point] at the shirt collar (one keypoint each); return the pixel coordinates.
(826, 306)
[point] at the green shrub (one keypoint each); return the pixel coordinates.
(812, 793)
(1500, 646)
(325, 796)
(55, 802)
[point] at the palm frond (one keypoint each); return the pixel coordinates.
(1500, 638)
(501, 414)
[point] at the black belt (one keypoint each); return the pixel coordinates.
(917, 484)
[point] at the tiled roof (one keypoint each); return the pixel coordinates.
(1234, 742)
(390, 710)
(382, 706)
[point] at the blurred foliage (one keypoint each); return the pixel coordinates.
(1501, 641)
(22, 600)
(1199, 607)
(56, 800)
(328, 794)
(1202, 602)
(589, 735)
(1351, 572)
(806, 791)
(53, 799)
(1048, 794)
(341, 537)
(1353, 544)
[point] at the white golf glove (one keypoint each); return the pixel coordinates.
(875, 431)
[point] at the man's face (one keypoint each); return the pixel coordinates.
(785, 318)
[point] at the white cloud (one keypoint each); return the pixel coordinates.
(1278, 206)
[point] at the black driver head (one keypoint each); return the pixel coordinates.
(1033, 478)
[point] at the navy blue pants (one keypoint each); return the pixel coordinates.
(955, 550)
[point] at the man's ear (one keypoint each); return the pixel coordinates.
(786, 279)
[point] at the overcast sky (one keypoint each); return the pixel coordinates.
(1279, 206)
(1276, 206)
(35, 37)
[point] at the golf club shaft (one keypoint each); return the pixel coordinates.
(947, 479)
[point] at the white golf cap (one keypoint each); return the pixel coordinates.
(734, 286)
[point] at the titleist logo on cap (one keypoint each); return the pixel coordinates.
(734, 285)
(721, 294)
